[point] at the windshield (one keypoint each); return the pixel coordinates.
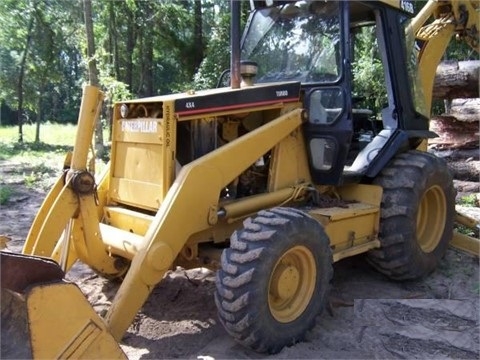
(297, 41)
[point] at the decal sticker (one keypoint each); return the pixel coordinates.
(139, 126)
(407, 5)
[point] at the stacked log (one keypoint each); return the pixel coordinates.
(456, 79)
(457, 83)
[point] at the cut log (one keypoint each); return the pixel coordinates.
(457, 79)
(454, 134)
(465, 110)
(466, 187)
(465, 171)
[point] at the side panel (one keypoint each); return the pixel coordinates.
(143, 159)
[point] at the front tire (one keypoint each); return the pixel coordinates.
(416, 217)
(274, 280)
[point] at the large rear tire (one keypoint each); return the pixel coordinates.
(274, 280)
(416, 218)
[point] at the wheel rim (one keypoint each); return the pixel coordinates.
(430, 218)
(292, 284)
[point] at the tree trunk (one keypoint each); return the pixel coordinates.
(112, 26)
(130, 47)
(21, 76)
(149, 76)
(48, 54)
(93, 72)
(39, 115)
(147, 36)
(198, 35)
(457, 79)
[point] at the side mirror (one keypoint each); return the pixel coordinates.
(224, 79)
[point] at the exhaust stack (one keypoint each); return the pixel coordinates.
(235, 44)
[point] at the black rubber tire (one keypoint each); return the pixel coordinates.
(416, 217)
(246, 306)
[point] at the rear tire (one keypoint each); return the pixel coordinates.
(274, 280)
(416, 217)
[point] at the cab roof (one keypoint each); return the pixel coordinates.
(403, 5)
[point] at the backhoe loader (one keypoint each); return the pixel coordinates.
(268, 181)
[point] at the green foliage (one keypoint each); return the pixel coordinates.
(476, 288)
(217, 55)
(5, 194)
(465, 230)
(143, 48)
(52, 69)
(30, 180)
(368, 70)
(470, 200)
(38, 174)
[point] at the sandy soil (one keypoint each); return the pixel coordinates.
(370, 316)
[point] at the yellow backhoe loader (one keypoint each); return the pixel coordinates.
(268, 181)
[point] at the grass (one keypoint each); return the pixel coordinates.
(55, 139)
(465, 230)
(5, 193)
(476, 288)
(37, 164)
(469, 200)
(50, 133)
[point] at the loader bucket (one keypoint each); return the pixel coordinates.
(44, 316)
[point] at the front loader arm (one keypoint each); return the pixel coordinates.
(197, 187)
(70, 206)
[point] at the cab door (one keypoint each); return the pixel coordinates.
(328, 130)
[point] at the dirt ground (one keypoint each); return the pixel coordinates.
(369, 317)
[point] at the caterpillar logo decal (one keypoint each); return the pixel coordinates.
(139, 126)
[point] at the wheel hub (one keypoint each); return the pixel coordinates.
(431, 218)
(292, 283)
(285, 281)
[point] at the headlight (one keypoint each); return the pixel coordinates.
(124, 111)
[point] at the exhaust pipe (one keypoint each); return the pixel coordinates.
(235, 44)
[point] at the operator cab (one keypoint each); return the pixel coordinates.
(353, 129)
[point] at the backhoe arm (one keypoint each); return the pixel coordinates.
(456, 17)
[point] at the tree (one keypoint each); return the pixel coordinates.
(217, 54)
(367, 69)
(39, 81)
(17, 23)
(21, 75)
(139, 48)
(92, 71)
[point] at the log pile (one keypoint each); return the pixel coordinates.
(457, 83)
